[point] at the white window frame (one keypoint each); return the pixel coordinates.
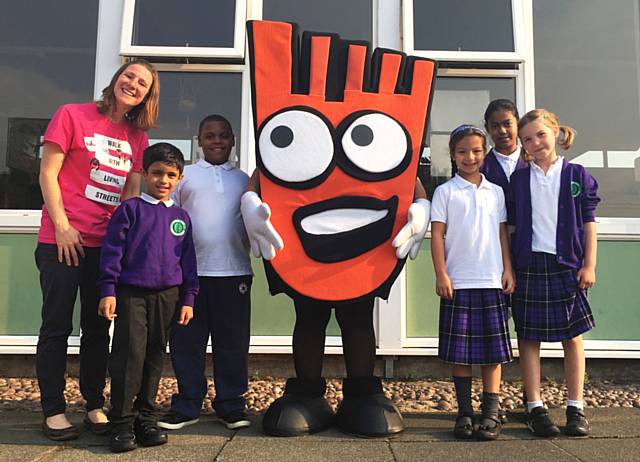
(232, 53)
(519, 39)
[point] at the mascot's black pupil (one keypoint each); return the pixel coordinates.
(282, 136)
(362, 135)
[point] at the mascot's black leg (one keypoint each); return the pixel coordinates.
(302, 409)
(364, 410)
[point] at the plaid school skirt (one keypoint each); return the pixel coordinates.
(474, 329)
(548, 305)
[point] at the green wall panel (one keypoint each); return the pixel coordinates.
(20, 296)
(615, 303)
(274, 315)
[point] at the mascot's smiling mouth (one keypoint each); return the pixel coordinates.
(344, 227)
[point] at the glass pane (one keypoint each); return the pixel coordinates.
(187, 97)
(352, 20)
(587, 69)
(456, 101)
(42, 66)
(188, 23)
(463, 25)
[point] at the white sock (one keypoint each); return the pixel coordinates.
(533, 404)
(576, 403)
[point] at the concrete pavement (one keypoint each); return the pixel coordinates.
(615, 437)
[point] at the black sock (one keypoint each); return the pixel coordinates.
(463, 395)
(490, 404)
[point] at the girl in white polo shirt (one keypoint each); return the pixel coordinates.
(470, 251)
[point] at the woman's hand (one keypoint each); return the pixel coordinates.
(69, 242)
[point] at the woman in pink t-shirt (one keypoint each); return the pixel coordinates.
(91, 162)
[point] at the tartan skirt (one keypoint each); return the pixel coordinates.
(474, 329)
(548, 305)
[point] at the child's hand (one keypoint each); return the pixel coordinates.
(508, 282)
(107, 307)
(586, 277)
(186, 315)
(444, 288)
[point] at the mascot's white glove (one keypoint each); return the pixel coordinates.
(410, 237)
(263, 237)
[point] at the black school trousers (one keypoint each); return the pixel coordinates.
(60, 284)
(140, 338)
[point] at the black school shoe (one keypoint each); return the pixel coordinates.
(463, 429)
(122, 439)
(577, 423)
(488, 429)
(149, 434)
(540, 424)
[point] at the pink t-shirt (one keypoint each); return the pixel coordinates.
(98, 156)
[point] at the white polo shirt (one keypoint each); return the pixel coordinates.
(211, 195)
(508, 162)
(472, 238)
(545, 192)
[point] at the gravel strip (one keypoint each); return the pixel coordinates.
(410, 396)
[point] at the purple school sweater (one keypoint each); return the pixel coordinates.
(149, 246)
(576, 206)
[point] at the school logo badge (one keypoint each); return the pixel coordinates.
(178, 227)
(576, 189)
(242, 288)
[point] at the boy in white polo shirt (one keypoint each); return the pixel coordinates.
(210, 191)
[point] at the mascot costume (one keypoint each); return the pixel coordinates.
(339, 134)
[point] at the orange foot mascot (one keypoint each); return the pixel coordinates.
(338, 136)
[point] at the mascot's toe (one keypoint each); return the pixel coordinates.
(366, 411)
(301, 410)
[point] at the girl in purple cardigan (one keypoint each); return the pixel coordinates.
(552, 205)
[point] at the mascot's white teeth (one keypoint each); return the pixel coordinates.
(340, 220)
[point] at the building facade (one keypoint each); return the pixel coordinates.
(577, 58)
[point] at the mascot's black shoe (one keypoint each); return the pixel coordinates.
(366, 411)
(301, 410)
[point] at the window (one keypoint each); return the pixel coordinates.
(465, 30)
(42, 66)
(587, 69)
(463, 25)
(456, 100)
(189, 28)
(187, 97)
(352, 20)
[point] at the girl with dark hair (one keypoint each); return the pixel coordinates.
(473, 278)
(501, 122)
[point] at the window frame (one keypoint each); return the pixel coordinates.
(150, 51)
(519, 55)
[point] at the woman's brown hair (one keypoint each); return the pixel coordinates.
(145, 114)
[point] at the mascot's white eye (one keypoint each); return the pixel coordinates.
(375, 143)
(295, 146)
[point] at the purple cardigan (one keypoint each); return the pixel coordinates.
(576, 206)
(149, 246)
(493, 171)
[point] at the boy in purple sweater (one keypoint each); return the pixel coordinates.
(147, 266)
